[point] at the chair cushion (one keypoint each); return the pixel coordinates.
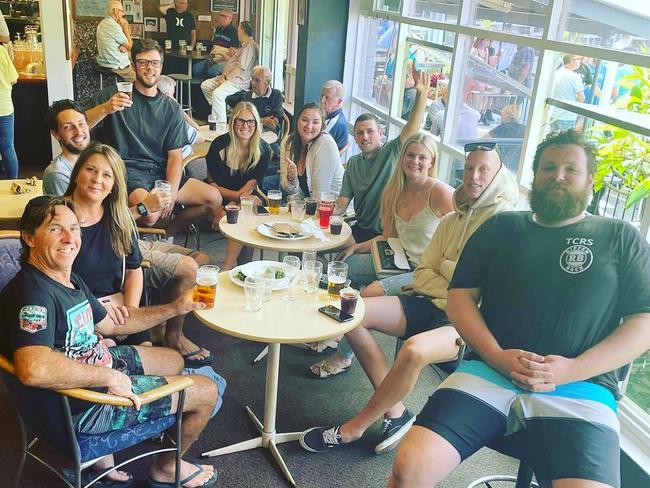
(97, 445)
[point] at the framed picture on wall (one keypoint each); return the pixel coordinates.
(137, 30)
(302, 6)
(219, 5)
(151, 24)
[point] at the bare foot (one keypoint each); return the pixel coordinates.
(185, 346)
(166, 473)
(119, 476)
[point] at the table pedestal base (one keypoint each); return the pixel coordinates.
(269, 437)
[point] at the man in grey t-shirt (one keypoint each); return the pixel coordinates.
(367, 173)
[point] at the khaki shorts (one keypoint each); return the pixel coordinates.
(164, 258)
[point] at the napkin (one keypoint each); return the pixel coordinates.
(309, 226)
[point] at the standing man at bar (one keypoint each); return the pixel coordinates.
(149, 133)
(114, 42)
(180, 23)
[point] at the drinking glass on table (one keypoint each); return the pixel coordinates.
(246, 202)
(349, 298)
(205, 291)
(254, 289)
(274, 196)
(268, 279)
(311, 271)
(337, 275)
(311, 204)
(298, 210)
(291, 268)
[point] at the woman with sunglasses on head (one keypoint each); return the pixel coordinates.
(309, 158)
(412, 205)
(237, 161)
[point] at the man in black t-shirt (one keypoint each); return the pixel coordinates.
(53, 331)
(564, 302)
(180, 23)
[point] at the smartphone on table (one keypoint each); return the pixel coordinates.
(261, 210)
(336, 313)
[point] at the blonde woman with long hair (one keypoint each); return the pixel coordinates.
(237, 161)
(412, 205)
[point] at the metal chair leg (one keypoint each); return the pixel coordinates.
(23, 454)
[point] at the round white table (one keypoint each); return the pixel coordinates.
(276, 323)
(245, 232)
(12, 205)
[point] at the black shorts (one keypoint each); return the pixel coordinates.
(146, 176)
(361, 234)
(421, 315)
(105, 418)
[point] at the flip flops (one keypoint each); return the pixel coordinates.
(197, 363)
(152, 483)
(327, 370)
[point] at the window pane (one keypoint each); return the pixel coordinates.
(495, 104)
(374, 80)
(638, 387)
(624, 26)
(526, 19)
(435, 36)
(446, 11)
(390, 5)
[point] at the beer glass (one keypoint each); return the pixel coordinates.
(205, 290)
(275, 196)
(126, 88)
(349, 297)
(337, 274)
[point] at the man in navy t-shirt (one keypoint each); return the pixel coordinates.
(564, 303)
(53, 331)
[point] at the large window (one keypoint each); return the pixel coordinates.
(510, 72)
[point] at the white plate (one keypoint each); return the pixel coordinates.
(266, 232)
(249, 269)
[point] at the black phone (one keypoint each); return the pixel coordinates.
(261, 210)
(336, 313)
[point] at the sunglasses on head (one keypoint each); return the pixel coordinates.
(479, 146)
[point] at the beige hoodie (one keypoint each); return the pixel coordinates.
(453, 232)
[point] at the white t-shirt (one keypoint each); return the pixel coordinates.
(567, 85)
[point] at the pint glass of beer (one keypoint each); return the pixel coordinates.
(337, 275)
(275, 196)
(205, 290)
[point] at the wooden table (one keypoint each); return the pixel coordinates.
(245, 232)
(12, 205)
(278, 322)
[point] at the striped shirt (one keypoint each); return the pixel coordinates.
(110, 37)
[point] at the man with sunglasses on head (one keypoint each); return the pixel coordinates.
(419, 317)
(564, 302)
(149, 133)
(53, 330)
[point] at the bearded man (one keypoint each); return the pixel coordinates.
(564, 303)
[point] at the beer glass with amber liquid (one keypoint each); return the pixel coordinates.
(337, 275)
(275, 196)
(205, 290)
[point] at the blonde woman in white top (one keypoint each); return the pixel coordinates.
(309, 158)
(412, 205)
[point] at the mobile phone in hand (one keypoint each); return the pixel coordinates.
(261, 210)
(336, 313)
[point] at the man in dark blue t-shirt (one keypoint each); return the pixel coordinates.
(564, 303)
(53, 331)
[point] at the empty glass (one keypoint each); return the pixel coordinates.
(268, 278)
(298, 211)
(246, 202)
(254, 288)
(311, 271)
(291, 268)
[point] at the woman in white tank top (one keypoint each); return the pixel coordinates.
(412, 205)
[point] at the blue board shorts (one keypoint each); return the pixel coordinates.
(105, 418)
(572, 432)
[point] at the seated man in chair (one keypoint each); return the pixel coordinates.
(53, 334)
(564, 302)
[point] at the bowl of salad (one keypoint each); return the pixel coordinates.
(239, 274)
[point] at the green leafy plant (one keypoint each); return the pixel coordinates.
(624, 154)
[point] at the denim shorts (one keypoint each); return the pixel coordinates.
(105, 418)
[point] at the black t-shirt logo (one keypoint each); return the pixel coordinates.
(576, 259)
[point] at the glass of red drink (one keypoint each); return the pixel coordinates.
(349, 297)
(325, 210)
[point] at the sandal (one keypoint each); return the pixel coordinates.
(327, 369)
(322, 347)
(197, 363)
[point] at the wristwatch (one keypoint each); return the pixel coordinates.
(142, 209)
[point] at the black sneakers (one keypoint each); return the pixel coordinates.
(322, 439)
(394, 430)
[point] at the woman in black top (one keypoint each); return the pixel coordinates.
(236, 163)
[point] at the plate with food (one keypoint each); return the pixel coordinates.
(239, 274)
(285, 231)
